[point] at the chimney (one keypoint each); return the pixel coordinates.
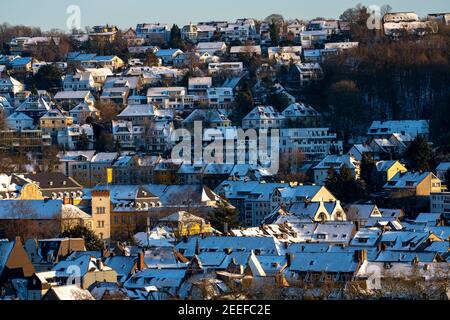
(140, 262)
(100, 264)
(361, 256)
(289, 258)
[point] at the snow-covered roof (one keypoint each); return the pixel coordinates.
(411, 127)
(30, 209)
(408, 180)
(137, 110)
(71, 293)
(337, 162)
(324, 262)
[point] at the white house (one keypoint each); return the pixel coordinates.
(10, 85)
(19, 121)
(79, 81)
(336, 163)
(212, 48)
(263, 117)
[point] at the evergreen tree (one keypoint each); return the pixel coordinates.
(48, 78)
(83, 142)
(344, 186)
(151, 59)
(91, 241)
(274, 31)
(224, 214)
(175, 37)
(243, 104)
(419, 155)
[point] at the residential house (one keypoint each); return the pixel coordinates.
(20, 121)
(14, 261)
(299, 115)
(358, 151)
(103, 33)
(294, 29)
(309, 39)
(213, 48)
(301, 74)
(67, 293)
(210, 118)
(82, 112)
(133, 169)
(314, 143)
(91, 271)
(22, 65)
(168, 55)
(440, 203)
(117, 90)
(235, 68)
(9, 85)
(285, 55)
(442, 170)
(263, 117)
(315, 268)
(414, 184)
(360, 214)
(138, 114)
(34, 107)
(336, 163)
(114, 63)
(79, 81)
(385, 129)
(53, 122)
(47, 217)
(199, 85)
(153, 32)
(174, 98)
(245, 50)
(99, 165)
(386, 170)
(76, 164)
(184, 224)
(220, 97)
(70, 99)
(398, 24)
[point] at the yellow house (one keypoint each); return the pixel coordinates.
(186, 224)
(54, 121)
(414, 183)
(388, 169)
(31, 191)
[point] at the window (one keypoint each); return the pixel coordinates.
(101, 210)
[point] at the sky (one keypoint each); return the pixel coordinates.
(48, 14)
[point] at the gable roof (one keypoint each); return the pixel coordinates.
(408, 180)
(52, 180)
(70, 293)
(324, 262)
